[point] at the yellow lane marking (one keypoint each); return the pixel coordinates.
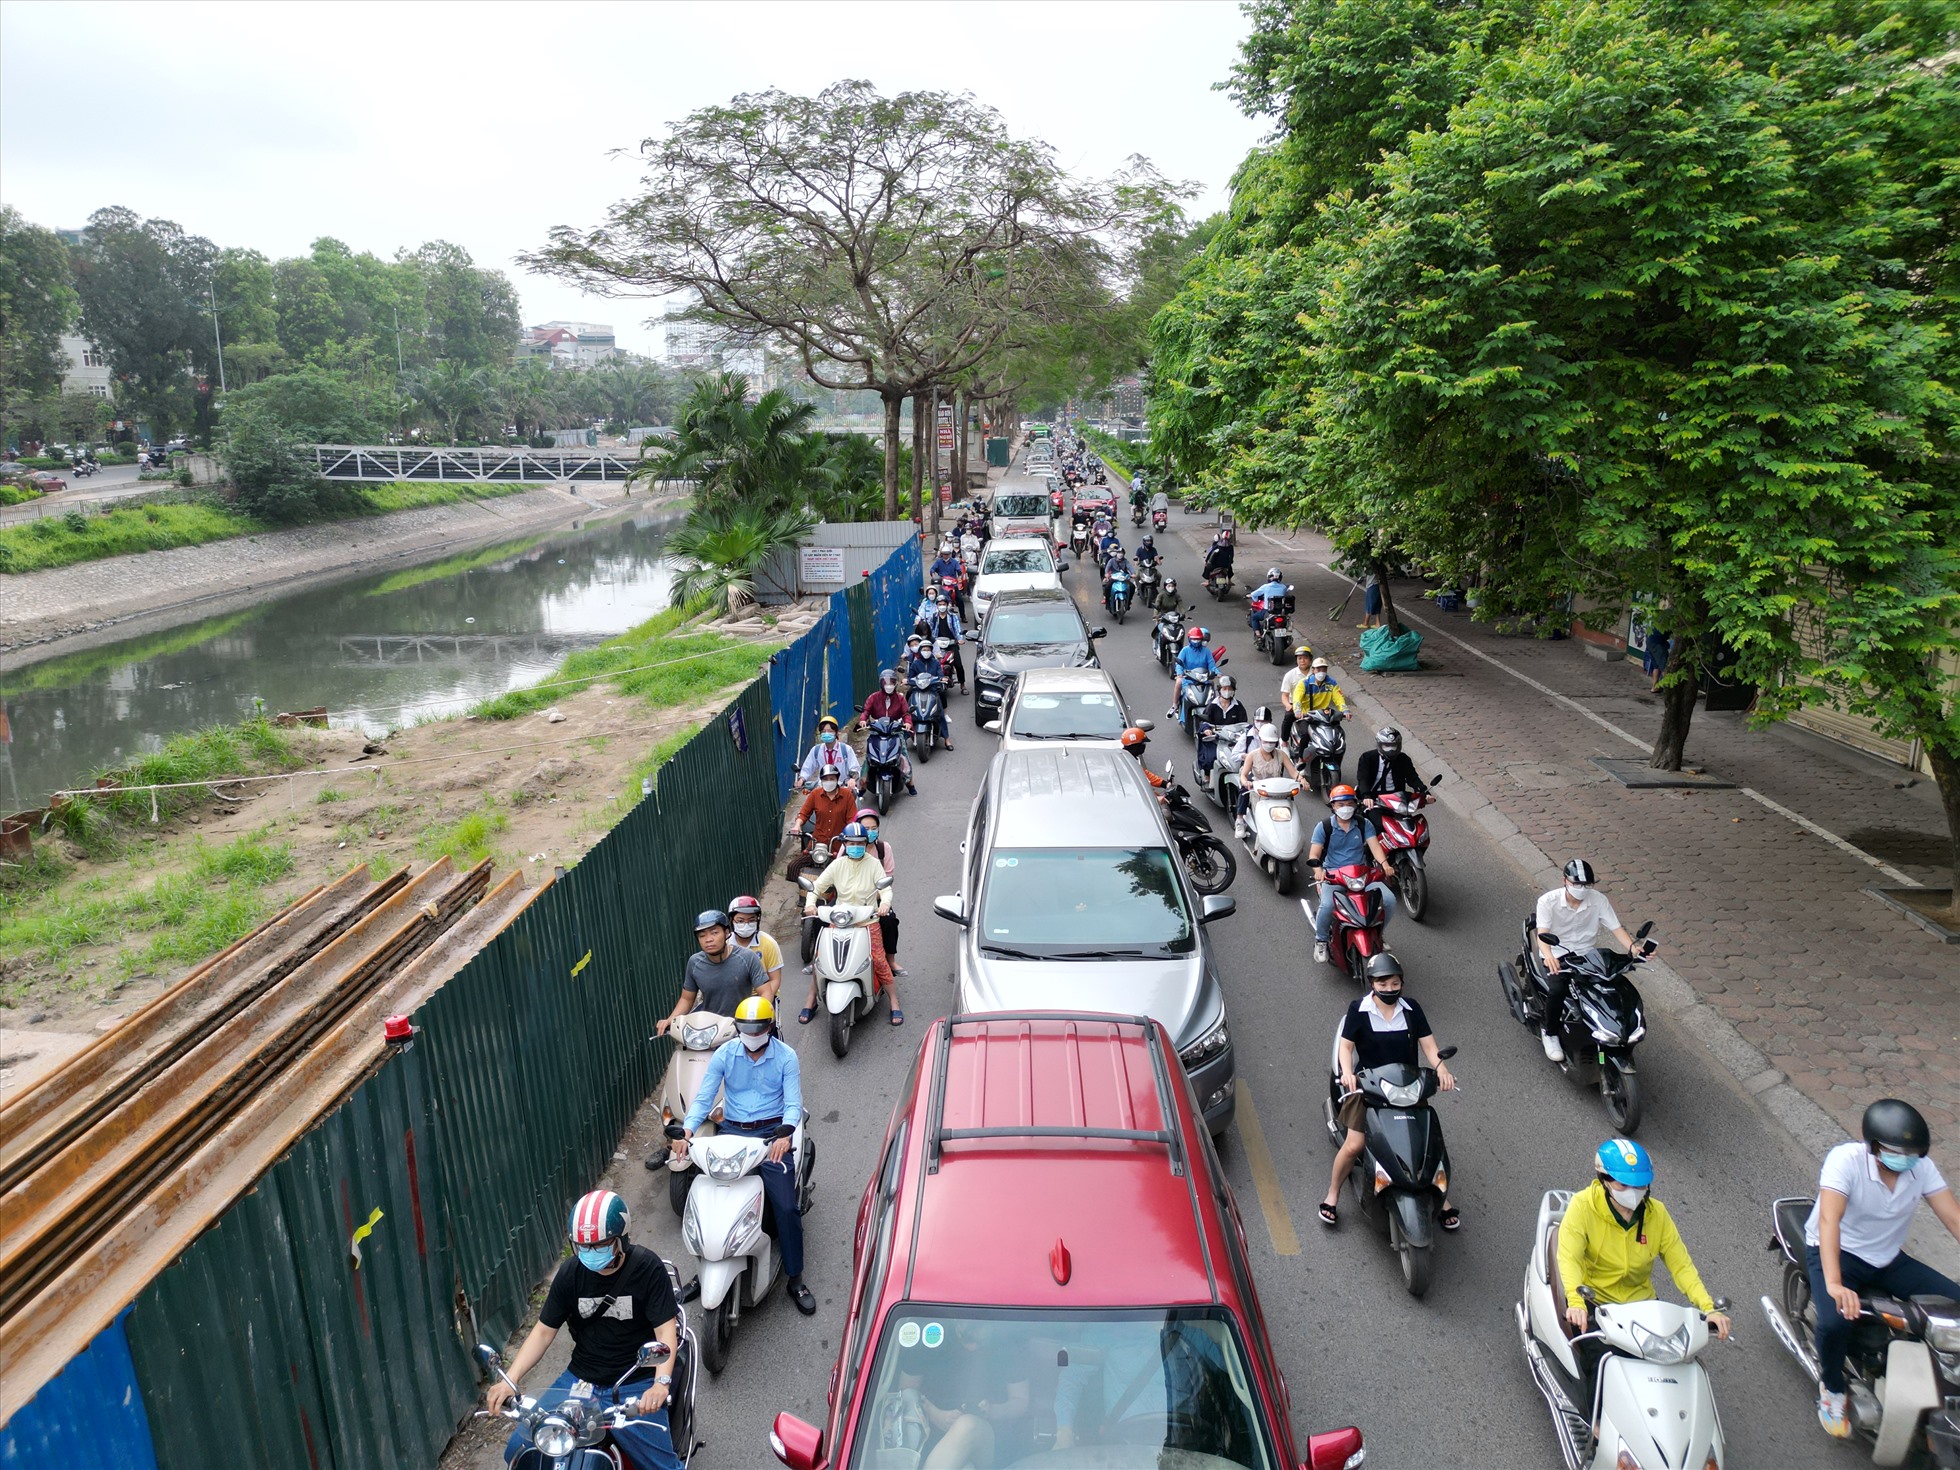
(1265, 1178)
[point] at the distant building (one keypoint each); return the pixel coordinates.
(569, 344)
(701, 347)
(87, 368)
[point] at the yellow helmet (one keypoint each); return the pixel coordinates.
(755, 1008)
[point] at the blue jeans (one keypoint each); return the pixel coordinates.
(1323, 918)
(1903, 1277)
(779, 1188)
(647, 1444)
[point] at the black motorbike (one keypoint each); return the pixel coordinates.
(1219, 584)
(1600, 1023)
(1208, 861)
(1136, 512)
(884, 761)
(1274, 632)
(83, 468)
(1168, 636)
(1319, 747)
(927, 699)
(1404, 1144)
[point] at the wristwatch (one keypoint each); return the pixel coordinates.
(666, 1379)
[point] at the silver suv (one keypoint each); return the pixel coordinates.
(1073, 898)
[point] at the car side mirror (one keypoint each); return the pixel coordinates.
(1217, 906)
(948, 906)
(1445, 1054)
(1144, 725)
(992, 727)
(1099, 632)
(1334, 1450)
(799, 1445)
(1061, 566)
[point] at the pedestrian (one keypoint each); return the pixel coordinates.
(1654, 650)
(1371, 599)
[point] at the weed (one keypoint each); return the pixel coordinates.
(329, 795)
(467, 840)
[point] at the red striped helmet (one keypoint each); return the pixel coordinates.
(598, 1217)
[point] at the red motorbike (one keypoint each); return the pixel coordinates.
(1359, 916)
(1405, 838)
(1159, 519)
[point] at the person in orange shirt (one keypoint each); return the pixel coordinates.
(828, 807)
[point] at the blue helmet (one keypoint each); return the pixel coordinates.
(855, 833)
(1625, 1162)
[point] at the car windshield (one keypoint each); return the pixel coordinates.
(1050, 623)
(1017, 559)
(1021, 505)
(1054, 902)
(1067, 716)
(1158, 1386)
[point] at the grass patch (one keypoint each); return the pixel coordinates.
(121, 531)
(329, 795)
(252, 748)
(1113, 452)
(466, 841)
(17, 494)
(379, 500)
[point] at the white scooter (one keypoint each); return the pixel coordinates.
(1638, 1416)
(843, 964)
(695, 1037)
(1272, 833)
(727, 1227)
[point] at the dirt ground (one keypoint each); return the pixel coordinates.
(535, 792)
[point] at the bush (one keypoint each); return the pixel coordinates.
(17, 494)
(268, 465)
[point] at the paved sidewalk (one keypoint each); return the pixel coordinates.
(1762, 918)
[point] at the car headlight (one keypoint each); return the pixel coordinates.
(1672, 1348)
(1207, 1046)
(987, 668)
(554, 1438)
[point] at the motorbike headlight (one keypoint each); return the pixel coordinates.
(1944, 1334)
(1207, 1046)
(1405, 1096)
(1605, 1036)
(1673, 1348)
(554, 1438)
(691, 1229)
(744, 1225)
(725, 1168)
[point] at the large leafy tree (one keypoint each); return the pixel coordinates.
(143, 287)
(37, 304)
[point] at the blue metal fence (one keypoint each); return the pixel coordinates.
(89, 1413)
(795, 693)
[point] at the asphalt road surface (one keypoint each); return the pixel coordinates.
(1435, 1382)
(110, 483)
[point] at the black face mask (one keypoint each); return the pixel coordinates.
(1389, 996)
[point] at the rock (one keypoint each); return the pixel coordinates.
(554, 716)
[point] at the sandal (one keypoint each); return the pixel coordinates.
(1450, 1219)
(1329, 1215)
(805, 1016)
(898, 1018)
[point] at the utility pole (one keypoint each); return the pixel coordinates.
(398, 341)
(211, 293)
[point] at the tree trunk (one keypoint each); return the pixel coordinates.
(893, 404)
(1393, 623)
(1678, 690)
(918, 456)
(932, 462)
(1945, 761)
(962, 409)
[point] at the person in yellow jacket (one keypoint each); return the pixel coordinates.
(1612, 1232)
(1318, 691)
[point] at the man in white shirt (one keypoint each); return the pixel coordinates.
(1302, 657)
(1574, 912)
(1866, 1197)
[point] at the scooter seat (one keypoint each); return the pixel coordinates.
(1557, 1282)
(1791, 1217)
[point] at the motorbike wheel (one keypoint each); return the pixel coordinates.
(1418, 1265)
(884, 797)
(1622, 1090)
(1285, 871)
(1357, 968)
(717, 1332)
(1796, 1296)
(1414, 883)
(1210, 864)
(840, 1033)
(925, 747)
(1507, 980)
(1277, 652)
(678, 1183)
(1121, 613)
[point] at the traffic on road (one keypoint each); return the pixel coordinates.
(1151, 1168)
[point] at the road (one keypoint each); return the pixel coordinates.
(1439, 1381)
(110, 483)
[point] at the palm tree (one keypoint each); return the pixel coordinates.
(524, 393)
(451, 392)
(724, 547)
(736, 452)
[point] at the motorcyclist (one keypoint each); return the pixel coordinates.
(1381, 1029)
(1608, 1240)
(1160, 501)
(1137, 494)
(1318, 691)
(948, 564)
(854, 873)
(1294, 677)
(1263, 598)
(1112, 564)
(888, 702)
(1386, 769)
(615, 1296)
(1866, 1197)
(1147, 553)
(1193, 658)
(1575, 913)
(970, 545)
(944, 622)
(919, 659)
(1345, 839)
(1218, 560)
(1265, 759)
(827, 808)
(745, 920)
(882, 850)
(1136, 741)
(1224, 708)
(720, 975)
(830, 753)
(761, 1088)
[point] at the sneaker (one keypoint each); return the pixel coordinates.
(1553, 1051)
(1319, 953)
(1830, 1414)
(1238, 827)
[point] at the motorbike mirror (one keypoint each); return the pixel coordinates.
(1437, 779)
(1146, 725)
(675, 1131)
(886, 881)
(807, 884)
(488, 1356)
(1721, 1304)
(948, 906)
(971, 635)
(992, 727)
(1588, 1295)
(1217, 906)
(1170, 769)
(1644, 930)
(655, 1352)
(1548, 936)
(1445, 1054)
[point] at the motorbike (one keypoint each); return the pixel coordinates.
(1220, 750)
(1160, 519)
(576, 1434)
(1320, 745)
(1274, 635)
(1405, 838)
(1136, 512)
(843, 965)
(1119, 595)
(1197, 694)
(927, 698)
(730, 1229)
(1272, 833)
(1207, 861)
(819, 856)
(1219, 585)
(83, 468)
(1902, 1371)
(1359, 919)
(1650, 1400)
(1149, 579)
(696, 1036)
(1402, 1174)
(947, 651)
(884, 752)
(1168, 636)
(955, 590)
(1602, 1018)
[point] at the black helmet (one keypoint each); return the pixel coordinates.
(1579, 871)
(712, 919)
(1897, 1126)
(1390, 738)
(1383, 966)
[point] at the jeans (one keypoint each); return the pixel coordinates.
(1323, 918)
(779, 1188)
(1903, 1277)
(647, 1444)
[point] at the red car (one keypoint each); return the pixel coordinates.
(1051, 1270)
(1096, 499)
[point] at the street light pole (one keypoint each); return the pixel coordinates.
(216, 336)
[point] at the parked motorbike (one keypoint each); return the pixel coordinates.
(884, 754)
(1207, 861)
(696, 1036)
(1168, 636)
(1274, 636)
(1602, 1018)
(1402, 1174)
(1119, 596)
(1360, 916)
(927, 700)
(1902, 1368)
(730, 1229)
(1650, 1400)
(1272, 832)
(843, 965)
(576, 1434)
(1320, 745)
(1405, 838)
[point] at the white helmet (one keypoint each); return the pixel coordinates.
(1269, 734)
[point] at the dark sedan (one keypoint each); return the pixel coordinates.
(1038, 628)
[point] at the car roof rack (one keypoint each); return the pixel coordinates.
(938, 1134)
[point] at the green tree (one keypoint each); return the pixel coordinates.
(454, 393)
(313, 405)
(37, 304)
(142, 285)
(267, 463)
(724, 547)
(736, 452)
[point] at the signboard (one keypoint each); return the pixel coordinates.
(945, 436)
(738, 730)
(820, 564)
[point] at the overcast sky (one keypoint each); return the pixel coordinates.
(270, 125)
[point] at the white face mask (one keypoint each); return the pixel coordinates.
(1626, 1199)
(745, 931)
(755, 1043)
(1345, 813)
(1577, 895)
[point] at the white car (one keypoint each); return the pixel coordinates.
(1010, 564)
(1050, 706)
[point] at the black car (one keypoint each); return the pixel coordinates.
(1036, 628)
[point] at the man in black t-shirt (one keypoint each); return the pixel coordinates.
(720, 975)
(616, 1298)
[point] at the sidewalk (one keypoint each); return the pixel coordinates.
(1762, 917)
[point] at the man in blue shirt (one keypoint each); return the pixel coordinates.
(1191, 658)
(1263, 598)
(1147, 553)
(1343, 840)
(761, 1086)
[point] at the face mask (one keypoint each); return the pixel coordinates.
(1344, 812)
(595, 1257)
(1577, 895)
(1626, 1199)
(870, 835)
(854, 850)
(755, 1043)
(1389, 997)
(1898, 1163)
(829, 737)
(746, 931)
(829, 786)
(888, 686)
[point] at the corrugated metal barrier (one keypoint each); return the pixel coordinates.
(91, 1414)
(795, 696)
